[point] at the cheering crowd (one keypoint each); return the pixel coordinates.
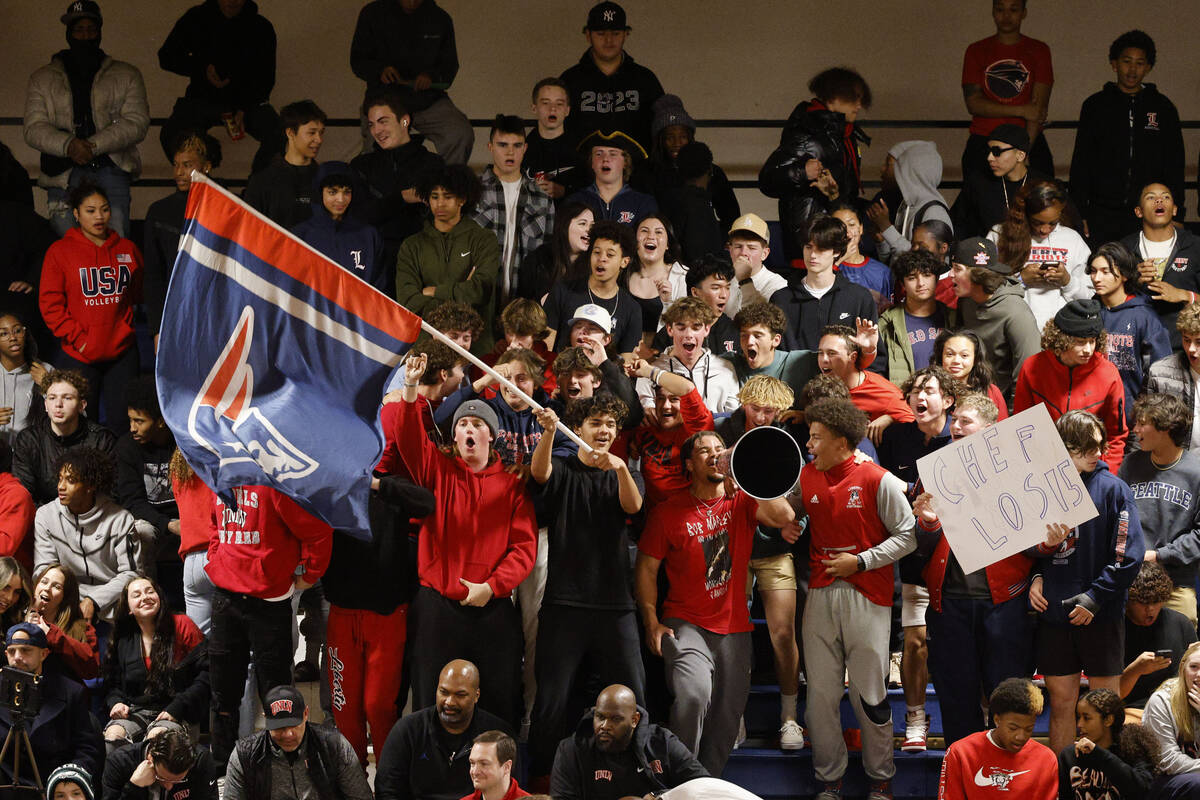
(589, 604)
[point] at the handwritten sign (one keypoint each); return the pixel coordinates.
(996, 490)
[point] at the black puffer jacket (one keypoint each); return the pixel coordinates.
(812, 131)
(37, 449)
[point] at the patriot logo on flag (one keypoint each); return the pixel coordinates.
(273, 360)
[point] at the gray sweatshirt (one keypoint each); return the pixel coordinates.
(918, 172)
(1158, 720)
(1007, 329)
(100, 546)
(1169, 510)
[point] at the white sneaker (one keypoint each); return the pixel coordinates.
(791, 736)
(916, 732)
(741, 737)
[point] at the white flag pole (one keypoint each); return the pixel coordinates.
(456, 347)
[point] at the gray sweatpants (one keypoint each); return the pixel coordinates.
(709, 676)
(845, 633)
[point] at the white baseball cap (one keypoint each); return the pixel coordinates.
(593, 314)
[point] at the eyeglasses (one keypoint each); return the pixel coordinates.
(998, 151)
(168, 781)
(13, 333)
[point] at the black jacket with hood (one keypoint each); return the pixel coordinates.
(812, 131)
(1182, 271)
(242, 49)
(623, 101)
(663, 761)
(807, 315)
(1125, 141)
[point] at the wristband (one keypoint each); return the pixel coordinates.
(744, 281)
(862, 565)
(654, 375)
(411, 385)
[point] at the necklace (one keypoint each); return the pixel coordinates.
(616, 298)
(708, 506)
(1164, 467)
(1004, 186)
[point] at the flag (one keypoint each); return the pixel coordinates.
(273, 360)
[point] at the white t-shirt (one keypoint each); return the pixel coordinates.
(1158, 252)
(817, 293)
(512, 191)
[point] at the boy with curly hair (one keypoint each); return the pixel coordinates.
(85, 530)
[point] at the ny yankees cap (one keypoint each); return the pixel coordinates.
(284, 707)
(606, 16)
(81, 9)
(979, 252)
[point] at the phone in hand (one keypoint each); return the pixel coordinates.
(1163, 654)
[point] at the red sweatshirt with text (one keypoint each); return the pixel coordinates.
(259, 544)
(483, 529)
(87, 295)
(16, 520)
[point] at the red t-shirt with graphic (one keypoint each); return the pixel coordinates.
(705, 545)
(1006, 73)
(975, 767)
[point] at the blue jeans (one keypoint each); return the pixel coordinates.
(111, 179)
(198, 590)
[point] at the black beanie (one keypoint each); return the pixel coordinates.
(1080, 318)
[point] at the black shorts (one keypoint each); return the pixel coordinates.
(1096, 649)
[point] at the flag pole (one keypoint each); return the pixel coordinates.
(462, 351)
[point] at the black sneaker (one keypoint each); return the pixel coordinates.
(305, 672)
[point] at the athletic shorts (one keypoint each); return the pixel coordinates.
(1096, 649)
(772, 573)
(916, 600)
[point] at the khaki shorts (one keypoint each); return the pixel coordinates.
(1183, 600)
(772, 573)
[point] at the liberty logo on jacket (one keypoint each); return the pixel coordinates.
(104, 282)
(1151, 120)
(855, 498)
(228, 393)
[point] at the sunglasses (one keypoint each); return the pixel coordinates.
(998, 151)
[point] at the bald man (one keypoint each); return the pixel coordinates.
(427, 754)
(616, 752)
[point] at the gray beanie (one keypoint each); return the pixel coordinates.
(480, 409)
(70, 773)
(668, 110)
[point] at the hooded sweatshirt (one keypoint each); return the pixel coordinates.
(918, 172)
(660, 761)
(100, 546)
(1182, 270)
(1006, 328)
(623, 101)
(1124, 141)
(353, 244)
(1094, 386)
(1099, 559)
(242, 49)
(462, 264)
(413, 43)
(1136, 339)
(88, 293)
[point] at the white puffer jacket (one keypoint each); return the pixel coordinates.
(119, 108)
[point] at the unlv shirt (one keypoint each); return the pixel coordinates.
(975, 767)
(706, 546)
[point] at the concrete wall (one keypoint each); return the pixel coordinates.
(725, 59)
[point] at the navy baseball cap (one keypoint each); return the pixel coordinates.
(33, 635)
(606, 16)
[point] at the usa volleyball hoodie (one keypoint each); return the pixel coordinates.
(88, 293)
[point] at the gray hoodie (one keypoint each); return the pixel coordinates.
(100, 546)
(1006, 328)
(918, 172)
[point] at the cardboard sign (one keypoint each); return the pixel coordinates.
(996, 490)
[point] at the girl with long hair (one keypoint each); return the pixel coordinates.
(55, 609)
(1172, 717)
(551, 262)
(15, 592)
(961, 353)
(157, 665)
(20, 380)
(1050, 255)
(656, 278)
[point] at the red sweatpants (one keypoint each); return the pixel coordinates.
(366, 652)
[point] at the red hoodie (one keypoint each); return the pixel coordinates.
(483, 529)
(88, 293)
(16, 520)
(197, 514)
(258, 545)
(1095, 386)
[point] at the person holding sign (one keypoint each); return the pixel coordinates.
(1081, 580)
(1072, 371)
(978, 631)
(860, 523)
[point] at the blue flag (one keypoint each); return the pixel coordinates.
(273, 361)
